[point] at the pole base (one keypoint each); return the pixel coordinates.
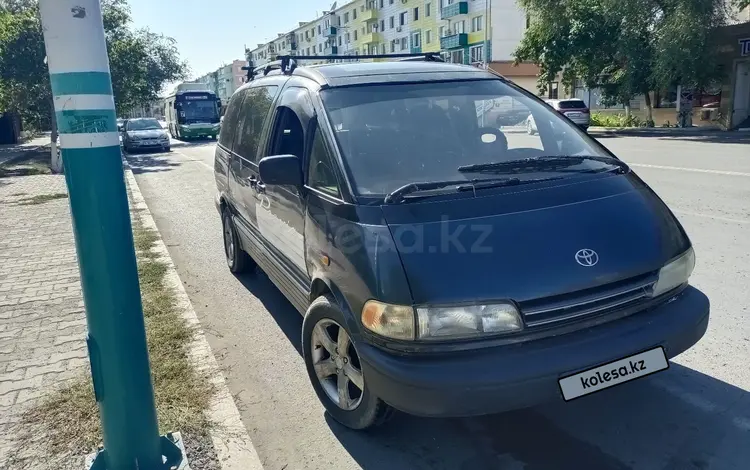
(172, 451)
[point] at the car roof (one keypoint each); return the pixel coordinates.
(362, 73)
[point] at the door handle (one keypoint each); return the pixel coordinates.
(252, 181)
(260, 186)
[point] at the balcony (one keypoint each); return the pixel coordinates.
(329, 32)
(370, 14)
(370, 38)
(458, 8)
(453, 41)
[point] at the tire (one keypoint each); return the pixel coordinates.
(529, 129)
(168, 149)
(237, 260)
(368, 410)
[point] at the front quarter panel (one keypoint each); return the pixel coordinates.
(363, 262)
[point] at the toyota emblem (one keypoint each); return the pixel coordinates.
(587, 257)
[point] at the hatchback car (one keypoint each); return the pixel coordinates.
(573, 108)
(444, 267)
(144, 134)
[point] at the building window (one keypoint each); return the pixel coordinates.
(477, 54)
(391, 22)
(363, 30)
(402, 19)
(460, 27)
(416, 40)
(477, 23)
(355, 34)
(553, 91)
(346, 17)
(354, 14)
(320, 47)
(320, 29)
(457, 57)
(347, 38)
(441, 32)
(428, 36)
(390, 2)
(393, 46)
(428, 9)
(308, 51)
(312, 32)
(382, 48)
(381, 6)
(307, 35)
(404, 43)
(416, 13)
(340, 40)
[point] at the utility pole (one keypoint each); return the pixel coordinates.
(116, 340)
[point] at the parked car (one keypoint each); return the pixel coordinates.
(144, 134)
(441, 271)
(573, 108)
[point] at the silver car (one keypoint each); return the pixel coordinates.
(572, 108)
(144, 134)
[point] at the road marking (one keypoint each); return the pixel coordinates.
(725, 219)
(695, 170)
(190, 159)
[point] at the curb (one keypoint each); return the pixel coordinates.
(233, 446)
(655, 130)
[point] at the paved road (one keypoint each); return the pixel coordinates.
(694, 416)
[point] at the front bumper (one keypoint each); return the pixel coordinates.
(199, 132)
(145, 144)
(493, 380)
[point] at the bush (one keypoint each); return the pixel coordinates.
(616, 120)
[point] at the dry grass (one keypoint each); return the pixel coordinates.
(41, 199)
(69, 418)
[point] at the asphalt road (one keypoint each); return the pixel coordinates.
(696, 415)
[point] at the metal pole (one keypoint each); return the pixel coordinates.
(85, 114)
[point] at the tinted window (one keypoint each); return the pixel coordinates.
(321, 172)
(392, 135)
(253, 114)
(229, 124)
(573, 104)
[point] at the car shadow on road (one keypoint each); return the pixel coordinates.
(150, 162)
(285, 315)
(678, 420)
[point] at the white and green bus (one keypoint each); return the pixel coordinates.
(192, 111)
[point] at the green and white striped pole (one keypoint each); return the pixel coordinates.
(90, 147)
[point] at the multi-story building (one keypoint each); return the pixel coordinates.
(478, 32)
(225, 80)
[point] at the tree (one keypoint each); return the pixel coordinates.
(141, 62)
(625, 47)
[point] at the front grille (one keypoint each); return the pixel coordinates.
(590, 302)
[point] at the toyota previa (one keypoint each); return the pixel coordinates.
(446, 266)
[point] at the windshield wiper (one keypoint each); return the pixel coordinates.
(552, 163)
(489, 183)
(398, 194)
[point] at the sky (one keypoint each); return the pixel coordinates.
(210, 33)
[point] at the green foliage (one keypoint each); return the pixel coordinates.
(616, 120)
(625, 47)
(141, 61)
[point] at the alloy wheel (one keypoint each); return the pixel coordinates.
(228, 239)
(337, 365)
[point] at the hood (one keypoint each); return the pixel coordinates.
(523, 243)
(148, 134)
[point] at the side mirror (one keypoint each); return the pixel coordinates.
(281, 170)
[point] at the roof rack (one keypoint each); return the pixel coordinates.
(287, 63)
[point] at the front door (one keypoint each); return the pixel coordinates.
(741, 105)
(280, 209)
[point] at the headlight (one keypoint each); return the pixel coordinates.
(468, 321)
(391, 321)
(675, 273)
(183, 127)
(165, 136)
(133, 137)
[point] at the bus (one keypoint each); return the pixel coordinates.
(192, 111)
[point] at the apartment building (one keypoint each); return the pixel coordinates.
(477, 32)
(225, 80)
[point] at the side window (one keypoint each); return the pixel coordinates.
(253, 113)
(321, 174)
(229, 124)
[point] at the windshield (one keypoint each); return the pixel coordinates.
(392, 135)
(143, 125)
(199, 110)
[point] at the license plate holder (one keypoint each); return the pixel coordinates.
(613, 373)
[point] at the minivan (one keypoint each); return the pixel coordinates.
(445, 267)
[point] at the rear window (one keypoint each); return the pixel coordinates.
(572, 105)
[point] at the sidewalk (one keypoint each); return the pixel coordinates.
(8, 153)
(657, 131)
(42, 321)
(43, 328)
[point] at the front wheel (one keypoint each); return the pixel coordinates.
(237, 260)
(335, 370)
(529, 128)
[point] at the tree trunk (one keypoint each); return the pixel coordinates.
(649, 109)
(627, 110)
(56, 156)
